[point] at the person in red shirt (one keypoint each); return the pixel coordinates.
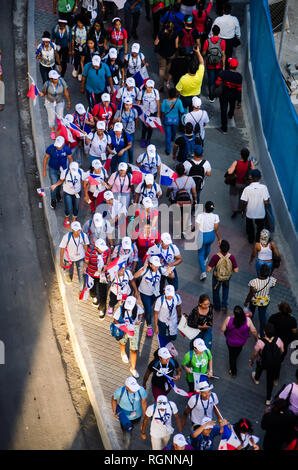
(118, 38)
(214, 50)
(200, 16)
(104, 111)
(145, 239)
(147, 214)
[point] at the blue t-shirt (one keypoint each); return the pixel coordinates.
(128, 4)
(177, 18)
(58, 157)
(205, 442)
(172, 114)
(96, 79)
(130, 402)
(118, 145)
(66, 36)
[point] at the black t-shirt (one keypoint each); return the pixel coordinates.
(158, 380)
(181, 142)
(284, 324)
(194, 33)
(279, 429)
(189, 3)
(179, 67)
(115, 69)
(166, 46)
(88, 55)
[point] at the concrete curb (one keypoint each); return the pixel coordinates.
(103, 414)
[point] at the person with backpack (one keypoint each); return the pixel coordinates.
(197, 361)
(134, 61)
(79, 40)
(161, 428)
(90, 49)
(170, 108)
(166, 44)
(129, 404)
(198, 168)
(128, 116)
(47, 55)
(148, 188)
(62, 38)
(145, 238)
(224, 264)
(268, 351)
(120, 184)
(99, 36)
(174, 14)
(236, 330)
(117, 37)
(167, 314)
(98, 143)
(98, 227)
(149, 98)
(66, 9)
(104, 111)
(95, 185)
(163, 363)
(280, 426)
(127, 250)
(259, 295)
(129, 314)
(149, 161)
(199, 119)
(229, 30)
(189, 36)
(184, 144)
(128, 91)
(120, 144)
(146, 214)
(214, 51)
(72, 179)
(201, 405)
(96, 75)
(121, 286)
(72, 252)
(290, 394)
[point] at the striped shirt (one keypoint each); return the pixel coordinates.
(262, 286)
(91, 259)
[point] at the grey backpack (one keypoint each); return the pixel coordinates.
(214, 52)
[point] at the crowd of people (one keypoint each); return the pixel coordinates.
(123, 262)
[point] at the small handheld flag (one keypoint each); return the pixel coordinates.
(167, 176)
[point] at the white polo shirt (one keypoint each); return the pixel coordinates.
(255, 195)
(167, 312)
(73, 180)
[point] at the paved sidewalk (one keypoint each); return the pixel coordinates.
(238, 397)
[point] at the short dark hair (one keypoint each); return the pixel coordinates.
(180, 170)
(203, 297)
(285, 308)
(172, 92)
(227, 8)
(224, 246)
(216, 30)
(209, 206)
(244, 153)
(192, 67)
(269, 330)
(264, 270)
(188, 128)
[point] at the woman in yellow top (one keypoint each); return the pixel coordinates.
(190, 84)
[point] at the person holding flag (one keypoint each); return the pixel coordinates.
(95, 185)
(128, 91)
(71, 140)
(149, 99)
(198, 361)
(128, 116)
(149, 161)
(202, 437)
(98, 143)
(112, 209)
(121, 287)
(135, 60)
(201, 405)
(167, 314)
(128, 251)
(120, 143)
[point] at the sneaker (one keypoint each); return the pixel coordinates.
(95, 302)
(110, 311)
(124, 358)
(143, 143)
(101, 314)
(203, 276)
(135, 373)
(74, 73)
(233, 215)
(66, 223)
(149, 332)
(147, 143)
(253, 378)
(80, 77)
(53, 135)
(222, 131)
(268, 402)
(53, 204)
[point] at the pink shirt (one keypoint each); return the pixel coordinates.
(260, 345)
(120, 185)
(293, 397)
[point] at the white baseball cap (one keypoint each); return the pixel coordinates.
(161, 402)
(74, 166)
(130, 302)
(166, 238)
(179, 440)
(96, 60)
(151, 150)
(135, 47)
(164, 353)
(98, 220)
(206, 420)
(199, 344)
(130, 82)
(147, 202)
(80, 108)
(126, 243)
(118, 127)
(96, 164)
(68, 118)
(149, 179)
(108, 195)
(155, 261)
(101, 125)
(150, 83)
(75, 226)
(105, 97)
(122, 166)
(204, 386)
(54, 74)
(169, 291)
(59, 141)
(132, 384)
(113, 53)
(196, 102)
(128, 100)
(101, 244)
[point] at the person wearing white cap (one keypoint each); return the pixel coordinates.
(72, 251)
(95, 76)
(79, 39)
(128, 91)
(150, 100)
(70, 138)
(202, 405)
(128, 116)
(147, 214)
(163, 363)
(161, 424)
(117, 37)
(112, 209)
(170, 257)
(83, 119)
(116, 67)
(132, 400)
(135, 60)
(98, 227)
(95, 184)
(179, 443)
(104, 111)
(57, 156)
(61, 36)
(53, 90)
(198, 118)
(128, 251)
(121, 287)
(149, 161)
(120, 184)
(167, 314)
(202, 437)
(99, 143)
(148, 188)
(47, 55)
(72, 179)
(197, 361)
(131, 315)
(120, 143)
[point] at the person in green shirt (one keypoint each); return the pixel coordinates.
(198, 360)
(66, 10)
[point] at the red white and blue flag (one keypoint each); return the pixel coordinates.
(154, 122)
(41, 192)
(33, 90)
(229, 440)
(85, 292)
(126, 329)
(167, 176)
(137, 175)
(176, 389)
(114, 266)
(141, 77)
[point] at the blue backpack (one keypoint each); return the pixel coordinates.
(187, 150)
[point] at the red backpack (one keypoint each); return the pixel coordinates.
(188, 39)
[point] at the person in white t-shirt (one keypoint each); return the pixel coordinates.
(201, 405)
(198, 118)
(198, 168)
(72, 251)
(167, 313)
(111, 209)
(135, 60)
(255, 196)
(131, 315)
(150, 100)
(71, 178)
(149, 161)
(128, 91)
(98, 142)
(98, 227)
(161, 428)
(121, 287)
(148, 188)
(128, 251)
(206, 228)
(95, 185)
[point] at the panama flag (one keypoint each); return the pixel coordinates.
(85, 292)
(176, 389)
(141, 77)
(94, 181)
(41, 192)
(128, 329)
(75, 129)
(33, 91)
(140, 112)
(229, 440)
(163, 342)
(137, 175)
(154, 122)
(167, 176)
(108, 163)
(114, 266)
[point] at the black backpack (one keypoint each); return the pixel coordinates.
(270, 355)
(197, 172)
(182, 195)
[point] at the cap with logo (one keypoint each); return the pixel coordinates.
(233, 62)
(151, 150)
(96, 60)
(132, 384)
(101, 125)
(130, 302)
(113, 53)
(74, 166)
(150, 83)
(105, 97)
(108, 195)
(199, 344)
(126, 243)
(135, 47)
(130, 82)
(164, 353)
(59, 142)
(75, 226)
(80, 108)
(155, 261)
(169, 291)
(147, 202)
(179, 440)
(204, 386)
(98, 220)
(96, 164)
(54, 74)
(122, 166)
(128, 100)
(101, 244)
(166, 238)
(68, 118)
(196, 102)
(161, 402)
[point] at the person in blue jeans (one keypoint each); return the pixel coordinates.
(206, 228)
(171, 108)
(224, 264)
(57, 156)
(120, 143)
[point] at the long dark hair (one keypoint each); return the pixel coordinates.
(242, 426)
(200, 7)
(169, 29)
(239, 316)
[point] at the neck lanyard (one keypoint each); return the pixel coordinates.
(73, 181)
(154, 278)
(120, 283)
(106, 114)
(55, 90)
(132, 402)
(117, 35)
(97, 36)
(128, 316)
(163, 418)
(63, 32)
(121, 184)
(205, 409)
(80, 119)
(127, 119)
(77, 245)
(165, 257)
(170, 307)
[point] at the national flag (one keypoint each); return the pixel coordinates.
(85, 292)
(108, 162)
(176, 389)
(137, 175)
(74, 128)
(229, 440)
(65, 132)
(167, 176)
(154, 122)
(41, 192)
(126, 329)
(141, 77)
(163, 342)
(33, 92)
(94, 181)
(114, 266)
(139, 109)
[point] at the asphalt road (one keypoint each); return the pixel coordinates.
(40, 395)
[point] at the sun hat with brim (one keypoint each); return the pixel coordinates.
(204, 387)
(132, 384)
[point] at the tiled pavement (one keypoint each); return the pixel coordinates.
(238, 397)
